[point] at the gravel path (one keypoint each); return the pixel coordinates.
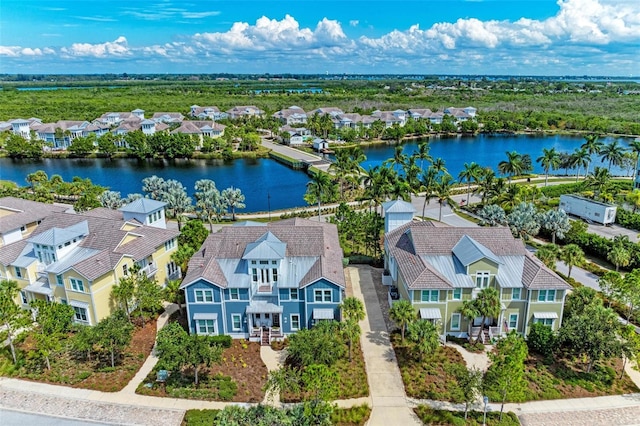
(61, 406)
(610, 417)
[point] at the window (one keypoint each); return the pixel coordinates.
(513, 321)
(516, 293)
(546, 321)
(457, 294)
(23, 296)
(322, 295)
(206, 326)
(18, 272)
(63, 301)
(80, 314)
(455, 322)
(295, 322)
(234, 294)
(23, 228)
(546, 295)
(274, 274)
(236, 322)
(60, 280)
(482, 279)
(168, 245)
(293, 293)
(125, 269)
(430, 295)
(254, 275)
(172, 268)
(203, 296)
(76, 284)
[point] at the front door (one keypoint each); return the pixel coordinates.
(276, 320)
(478, 320)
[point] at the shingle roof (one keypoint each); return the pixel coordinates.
(429, 256)
(305, 240)
(24, 212)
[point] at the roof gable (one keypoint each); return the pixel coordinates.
(469, 251)
(267, 247)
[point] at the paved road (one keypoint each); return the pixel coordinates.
(18, 418)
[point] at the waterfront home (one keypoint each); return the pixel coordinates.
(22, 127)
(437, 268)
(167, 117)
(332, 111)
(200, 129)
(207, 113)
(115, 118)
(76, 259)
(19, 218)
(291, 116)
(265, 281)
(389, 118)
(244, 111)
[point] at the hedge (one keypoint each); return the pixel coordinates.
(627, 219)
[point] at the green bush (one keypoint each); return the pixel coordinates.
(224, 341)
(627, 219)
(200, 417)
(541, 339)
(355, 416)
(430, 416)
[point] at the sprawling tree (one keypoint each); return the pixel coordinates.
(610, 284)
(53, 321)
(403, 314)
(524, 221)
(113, 334)
(321, 344)
(556, 222)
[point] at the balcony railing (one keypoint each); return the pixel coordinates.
(149, 270)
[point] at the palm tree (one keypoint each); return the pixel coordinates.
(423, 152)
(488, 305)
(178, 202)
(427, 184)
(548, 254)
(619, 256)
(398, 159)
(511, 197)
(572, 255)
(612, 153)
(172, 293)
(633, 198)
(550, 160)
(439, 165)
(470, 312)
(320, 188)
(377, 185)
(470, 172)
(403, 314)
(512, 166)
(593, 146)
(580, 158)
(352, 309)
(442, 192)
(634, 147)
(233, 198)
(599, 180)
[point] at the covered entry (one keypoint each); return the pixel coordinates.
(264, 320)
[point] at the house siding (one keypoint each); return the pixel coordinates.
(336, 299)
(214, 307)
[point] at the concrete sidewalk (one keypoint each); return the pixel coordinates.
(388, 400)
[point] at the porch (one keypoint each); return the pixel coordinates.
(264, 321)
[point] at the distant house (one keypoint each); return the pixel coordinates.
(21, 217)
(244, 111)
(291, 116)
(200, 129)
(437, 268)
(167, 117)
(320, 144)
(207, 113)
(264, 282)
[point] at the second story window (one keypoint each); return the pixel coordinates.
(482, 279)
(546, 295)
(430, 296)
(76, 284)
(234, 294)
(18, 272)
(516, 293)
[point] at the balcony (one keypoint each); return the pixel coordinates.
(149, 270)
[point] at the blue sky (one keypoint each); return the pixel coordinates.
(517, 37)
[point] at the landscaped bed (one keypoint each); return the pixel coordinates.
(72, 368)
(430, 378)
(239, 377)
(430, 416)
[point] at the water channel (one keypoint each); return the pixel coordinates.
(269, 185)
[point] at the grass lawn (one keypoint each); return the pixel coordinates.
(71, 368)
(430, 378)
(352, 378)
(430, 416)
(239, 377)
(567, 379)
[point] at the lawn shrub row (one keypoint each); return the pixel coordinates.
(627, 219)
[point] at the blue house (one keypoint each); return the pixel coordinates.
(263, 282)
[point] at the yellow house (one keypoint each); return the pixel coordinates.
(77, 258)
(19, 218)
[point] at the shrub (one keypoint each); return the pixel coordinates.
(354, 416)
(628, 219)
(224, 341)
(200, 417)
(541, 339)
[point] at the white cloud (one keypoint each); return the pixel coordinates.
(96, 18)
(199, 15)
(117, 48)
(354, 23)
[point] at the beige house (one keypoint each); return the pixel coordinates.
(437, 268)
(77, 258)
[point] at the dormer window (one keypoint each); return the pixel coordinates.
(482, 279)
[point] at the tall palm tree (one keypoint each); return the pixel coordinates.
(485, 183)
(488, 305)
(612, 153)
(633, 198)
(599, 180)
(550, 160)
(398, 159)
(470, 172)
(320, 188)
(427, 184)
(423, 152)
(439, 165)
(634, 147)
(580, 158)
(512, 166)
(233, 198)
(572, 255)
(593, 146)
(442, 191)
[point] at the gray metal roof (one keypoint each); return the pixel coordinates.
(430, 313)
(77, 255)
(398, 206)
(469, 251)
(57, 236)
(143, 205)
(258, 306)
(323, 314)
(267, 247)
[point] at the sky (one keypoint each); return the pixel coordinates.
(453, 37)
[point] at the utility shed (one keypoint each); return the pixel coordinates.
(589, 210)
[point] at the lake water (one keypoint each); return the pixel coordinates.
(269, 185)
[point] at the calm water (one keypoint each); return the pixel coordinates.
(487, 151)
(268, 184)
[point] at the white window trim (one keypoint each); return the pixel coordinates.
(459, 321)
(453, 294)
(297, 294)
(204, 298)
(322, 293)
(73, 280)
(483, 274)
(239, 317)
(291, 319)
(509, 321)
(519, 298)
(429, 292)
(237, 295)
(215, 327)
